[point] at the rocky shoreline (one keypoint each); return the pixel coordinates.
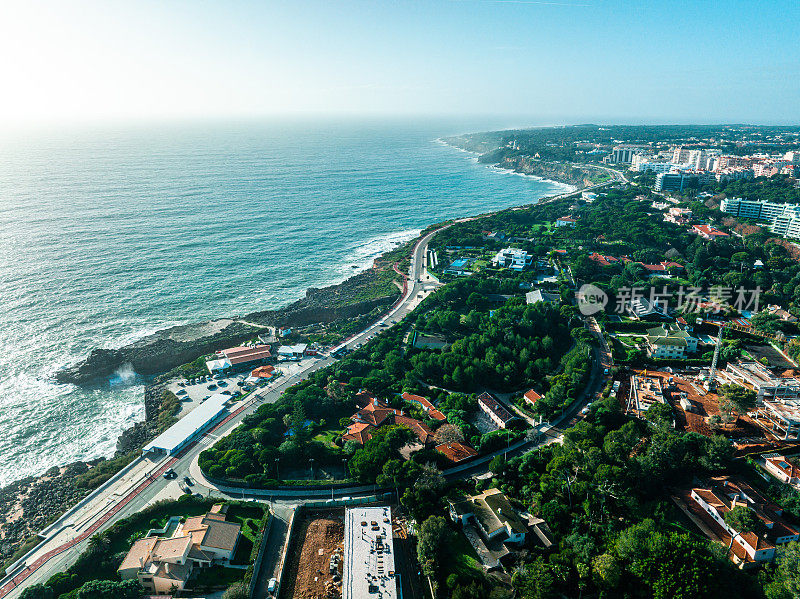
(168, 348)
(30, 504)
(571, 174)
(576, 175)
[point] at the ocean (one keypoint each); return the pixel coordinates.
(110, 233)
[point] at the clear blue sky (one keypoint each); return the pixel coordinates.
(559, 61)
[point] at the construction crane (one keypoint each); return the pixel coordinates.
(712, 375)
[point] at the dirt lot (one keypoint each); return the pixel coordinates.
(319, 536)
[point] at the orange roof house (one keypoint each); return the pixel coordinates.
(427, 406)
(456, 452)
(532, 397)
(375, 413)
(263, 372)
(423, 433)
(360, 432)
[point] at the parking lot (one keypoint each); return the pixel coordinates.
(192, 394)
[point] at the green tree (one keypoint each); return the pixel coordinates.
(37, 591)
(736, 399)
(432, 535)
(102, 589)
(742, 519)
(237, 590)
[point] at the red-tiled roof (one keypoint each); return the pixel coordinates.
(424, 434)
(709, 230)
(375, 413)
(363, 398)
(358, 431)
(601, 259)
(426, 405)
(455, 451)
(532, 396)
(263, 371)
(242, 355)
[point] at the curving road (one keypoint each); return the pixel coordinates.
(141, 482)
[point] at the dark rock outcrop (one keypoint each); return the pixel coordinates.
(169, 348)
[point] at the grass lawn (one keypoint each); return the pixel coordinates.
(252, 519)
(328, 438)
(462, 559)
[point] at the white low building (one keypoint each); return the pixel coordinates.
(369, 569)
(190, 427)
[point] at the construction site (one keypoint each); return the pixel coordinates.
(693, 407)
(314, 564)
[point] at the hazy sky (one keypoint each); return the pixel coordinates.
(560, 60)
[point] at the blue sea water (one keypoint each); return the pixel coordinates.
(110, 233)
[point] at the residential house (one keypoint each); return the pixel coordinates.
(565, 221)
(513, 258)
(537, 295)
(360, 432)
(670, 341)
(784, 315)
(782, 468)
(494, 516)
(720, 495)
(497, 413)
(661, 269)
(532, 397)
(707, 232)
(163, 564)
(456, 452)
(679, 216)
(603, 260)
(429, 409)
(424, 434)
(376, 414)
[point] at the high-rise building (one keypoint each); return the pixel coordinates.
(680, 155)
(623, 154)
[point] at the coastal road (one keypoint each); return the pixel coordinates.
(143, 483)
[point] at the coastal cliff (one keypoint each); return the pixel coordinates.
(168, 348)
(571, 174)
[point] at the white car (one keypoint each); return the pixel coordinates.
(272, 586)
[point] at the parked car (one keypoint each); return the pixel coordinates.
(272, 586)
(188, 481)
(212, 386)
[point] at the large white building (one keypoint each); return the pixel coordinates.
(759, 209)
(784, 219)
(190, 427)
(513, 258)
(642, 164)
(623, 154)
(369, 569)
